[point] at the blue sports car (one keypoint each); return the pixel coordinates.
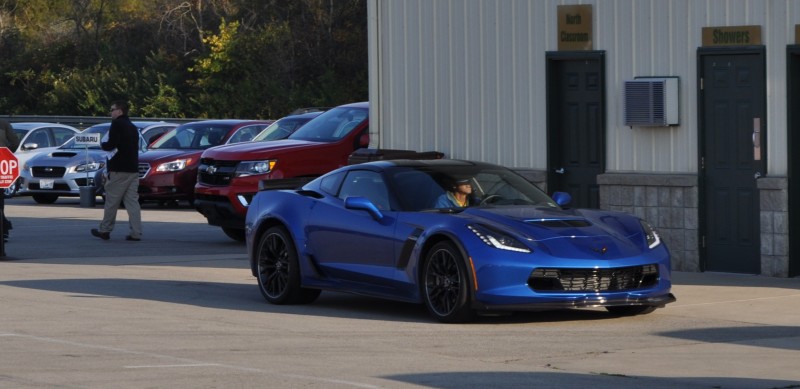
(380, 229)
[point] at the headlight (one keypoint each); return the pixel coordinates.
(89, 167)
(249, 168)
(173, 166)
(650, 234)
(498, 239)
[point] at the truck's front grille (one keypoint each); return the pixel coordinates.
(216, 173)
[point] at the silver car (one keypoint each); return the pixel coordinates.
(64, 170)
(37, 137)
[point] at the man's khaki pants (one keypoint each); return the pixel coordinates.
(122, 187)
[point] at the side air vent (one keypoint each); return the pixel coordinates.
(651, 102)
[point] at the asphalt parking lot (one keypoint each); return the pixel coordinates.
(180, 310)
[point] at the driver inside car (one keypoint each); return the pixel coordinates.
(458, 195)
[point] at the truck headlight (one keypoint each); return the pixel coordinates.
(249, 168)
(173, 166)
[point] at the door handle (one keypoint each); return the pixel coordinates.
(757, 175)
(560, 170)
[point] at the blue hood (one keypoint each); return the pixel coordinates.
(567, 233)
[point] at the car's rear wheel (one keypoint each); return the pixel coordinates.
(278, 269)
(445, 284)
(45, 199)
(236, 234)
(630, 310)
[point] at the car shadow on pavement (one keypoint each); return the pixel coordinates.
(756, 335)
(245, 297)
(595, 380)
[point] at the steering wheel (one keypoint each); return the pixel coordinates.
(490, 199)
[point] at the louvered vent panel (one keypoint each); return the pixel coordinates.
(651, 102)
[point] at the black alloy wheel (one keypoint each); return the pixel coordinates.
(278, 270)
(445, 286)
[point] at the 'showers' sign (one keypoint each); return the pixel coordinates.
(732, 36)
(574, 27)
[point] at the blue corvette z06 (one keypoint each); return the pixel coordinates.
(381, 229)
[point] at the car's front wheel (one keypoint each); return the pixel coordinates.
(45, 199)
(11, 190)
(278, 269)
(445, 284)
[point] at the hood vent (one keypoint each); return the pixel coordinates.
(64, 154)
(560, 223)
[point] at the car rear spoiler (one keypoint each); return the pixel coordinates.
(284, 183)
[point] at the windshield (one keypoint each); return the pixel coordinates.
(422, 188)
(193, 136)
(281, 129)
(20, 132)
(332, 125)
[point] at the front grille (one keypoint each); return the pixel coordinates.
(144, 168)
(48, 171)
(593, 280)
(216, 173)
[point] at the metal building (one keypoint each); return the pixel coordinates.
(675, 110)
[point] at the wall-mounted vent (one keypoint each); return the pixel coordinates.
(651, 102)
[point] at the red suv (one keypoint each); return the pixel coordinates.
(228, 176)
(168, 169)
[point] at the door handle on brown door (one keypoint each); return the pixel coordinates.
(560, 170)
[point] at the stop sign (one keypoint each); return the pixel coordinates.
(9, 167)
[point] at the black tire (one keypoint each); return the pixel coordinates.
(445, 284)
(45, 199)
(630, 310)
(278, 270)
(236, 234)
(12, 189)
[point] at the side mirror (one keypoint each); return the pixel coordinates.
(363, 140)
(362, 203)
(562, 198)
(30, 146)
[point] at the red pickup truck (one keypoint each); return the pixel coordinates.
(228, 175)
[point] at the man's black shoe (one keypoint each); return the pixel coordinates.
(101, 235)
(128, 237)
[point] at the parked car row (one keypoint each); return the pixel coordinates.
(169, 157)
(60, 171)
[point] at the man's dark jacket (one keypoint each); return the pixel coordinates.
(124, 137)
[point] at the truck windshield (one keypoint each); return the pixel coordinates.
(332, 125)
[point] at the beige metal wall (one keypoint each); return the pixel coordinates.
(467, 77)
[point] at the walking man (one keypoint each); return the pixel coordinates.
(122, 174)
